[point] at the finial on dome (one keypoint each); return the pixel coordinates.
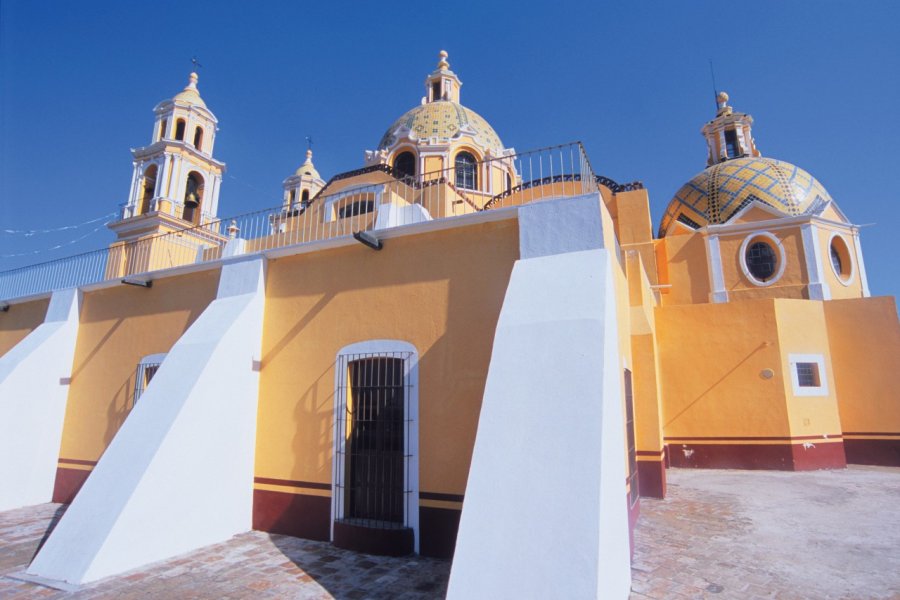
(192, 80)
(722, 104)
(442, 63)
(309, 155)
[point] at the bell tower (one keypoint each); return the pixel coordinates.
(302, 186)
(174, 188)
(176, 180)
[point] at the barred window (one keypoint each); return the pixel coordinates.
(761, 260)
(145, 371)
(808, 374)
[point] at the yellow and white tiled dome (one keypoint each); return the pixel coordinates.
(444, 120)
(716, 194)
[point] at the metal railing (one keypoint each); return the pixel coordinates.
(372, 198)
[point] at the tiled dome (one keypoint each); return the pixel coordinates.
(444, 120)
(717, 193)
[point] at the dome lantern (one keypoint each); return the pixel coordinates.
(728, 135)
(442, 83)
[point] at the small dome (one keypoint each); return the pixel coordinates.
(716, 194)
(307, 168)
(191, 94)
(445, 120)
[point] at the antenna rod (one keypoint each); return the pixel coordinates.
(712, 75)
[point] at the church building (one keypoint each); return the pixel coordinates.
(457, 350)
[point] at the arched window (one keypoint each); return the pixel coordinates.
(193, 197)
(146, 369)
(162, 129)
(292, 198)
(198, 137)
(148, 188)
(179, 129)
(466, 171)
(304, 198)
(405, 164)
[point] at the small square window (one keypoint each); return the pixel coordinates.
(808, 374)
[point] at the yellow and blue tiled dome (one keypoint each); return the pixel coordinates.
(444, 120)
(716, 194)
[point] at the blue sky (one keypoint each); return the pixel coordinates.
(78, 81)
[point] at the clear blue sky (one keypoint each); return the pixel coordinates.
(629, 79)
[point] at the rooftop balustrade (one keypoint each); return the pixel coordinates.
(369, 199)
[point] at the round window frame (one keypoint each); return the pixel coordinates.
(849, 279)
(779, 254)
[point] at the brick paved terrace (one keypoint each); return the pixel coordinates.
(719, 534)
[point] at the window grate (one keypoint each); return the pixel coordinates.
(371, 479)
(142, 377)
(808, 374)
(761, 260)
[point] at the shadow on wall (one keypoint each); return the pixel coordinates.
(713, 386)
(697, 270)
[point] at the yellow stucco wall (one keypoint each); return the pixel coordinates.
(685, 270)
(865, 341)
(441, 292)
(802, 330)
(119, 326)
(20, 320)
(712, 357)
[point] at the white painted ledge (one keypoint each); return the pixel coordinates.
(179, 473)
(34, 388)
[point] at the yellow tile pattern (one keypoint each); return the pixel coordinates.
(720, 191)
(443, 120)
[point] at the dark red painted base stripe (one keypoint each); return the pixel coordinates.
(651, 478)
(68, 482)
(885, 453)
(298, 515)
(780, 457)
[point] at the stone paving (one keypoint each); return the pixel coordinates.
(719, 534)
(771, 534)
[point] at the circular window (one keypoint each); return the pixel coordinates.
(841, 263)
(762, 258)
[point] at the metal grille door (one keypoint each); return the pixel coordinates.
(373, 427)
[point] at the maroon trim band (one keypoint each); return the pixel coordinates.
(878, 433)
(310, 485)
(653, 453)
(799, 438)
(74, 461)
(442, 497)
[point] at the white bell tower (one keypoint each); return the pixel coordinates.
(176, 180)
